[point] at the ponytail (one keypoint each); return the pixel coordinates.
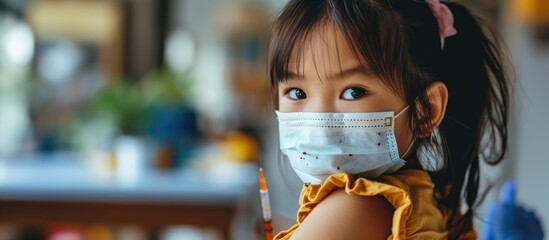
(475, 125)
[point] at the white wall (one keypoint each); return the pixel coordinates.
(529, 129)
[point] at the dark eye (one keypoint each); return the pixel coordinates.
(353, 93)
(296, 94)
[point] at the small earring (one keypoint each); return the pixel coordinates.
(432, 138)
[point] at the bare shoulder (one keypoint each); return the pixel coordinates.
(346, 216)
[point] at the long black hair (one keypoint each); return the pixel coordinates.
(400, 42)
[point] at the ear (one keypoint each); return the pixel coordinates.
(437, 94)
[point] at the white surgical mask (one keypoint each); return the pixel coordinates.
(321, 144)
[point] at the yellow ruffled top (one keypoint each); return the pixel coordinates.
(409, 191)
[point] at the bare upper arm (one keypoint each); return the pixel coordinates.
(346, 216)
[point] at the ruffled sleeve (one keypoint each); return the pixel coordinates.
(400, 190)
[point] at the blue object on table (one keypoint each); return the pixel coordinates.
(171, 124)
(508, 221)
(176, 127)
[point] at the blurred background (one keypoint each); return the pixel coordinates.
(148, 119)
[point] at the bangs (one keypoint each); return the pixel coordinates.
(373, 32)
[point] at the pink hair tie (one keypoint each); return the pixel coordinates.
(444, 17)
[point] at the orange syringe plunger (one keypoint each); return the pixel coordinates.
(262, 182)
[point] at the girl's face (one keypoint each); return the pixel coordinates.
(329, 78)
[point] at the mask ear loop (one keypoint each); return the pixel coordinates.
(401, 111)
(413, 139)
(431, 138)
(406, 108)
(412, 143)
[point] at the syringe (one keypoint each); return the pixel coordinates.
(265, 205)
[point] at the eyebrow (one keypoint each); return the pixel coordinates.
(343, 74)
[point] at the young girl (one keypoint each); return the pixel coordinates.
(385, 109)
